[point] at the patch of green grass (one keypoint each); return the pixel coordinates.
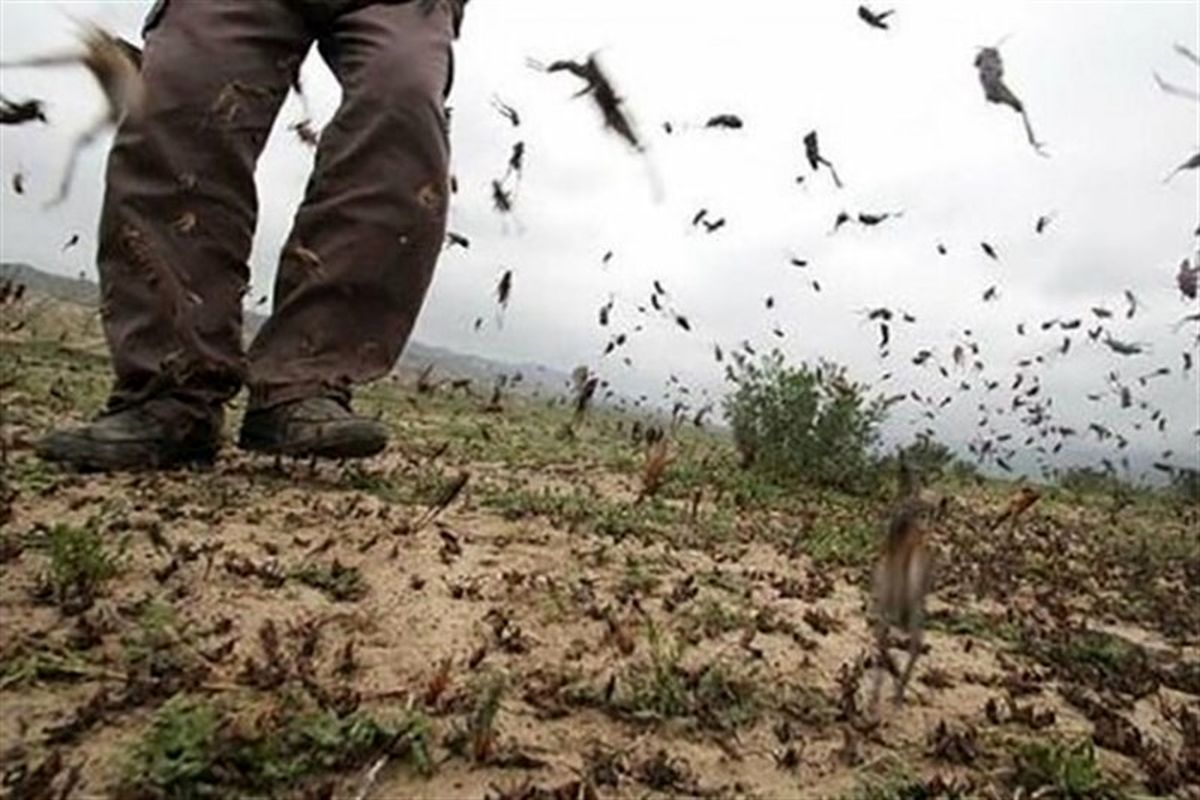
(851, 544)
(638, 579)
(27, 666)
(49, 379)
(897, 786)
(193, 749)
(806, 704)
(709, 617)
(1096, 658)
(617, 520)
(419, 486)
(724, 698)
(724, 580)
(973, 623)
(1102, 650)
(527, 434)
(80, 564)
(685, 476)
(716, 695)
(32, 475)
(563, 509)
(176, 757)
(477, 737)
(156, 648)
(892, 777)
(1153, 548)
(744, 489)
(321, 741)
(581, 510)
(656, 687)
(337, 581)
(1061, 770)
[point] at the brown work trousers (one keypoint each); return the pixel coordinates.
(180, 204)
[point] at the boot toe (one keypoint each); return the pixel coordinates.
(314, 427)
(358, 438)
(132, 439)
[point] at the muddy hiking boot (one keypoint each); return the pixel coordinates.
(155, 434)
(316, 426)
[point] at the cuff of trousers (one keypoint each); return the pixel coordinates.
(198, 399)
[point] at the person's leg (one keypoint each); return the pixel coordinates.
(176, 228)
(355, 269)
(916, 641)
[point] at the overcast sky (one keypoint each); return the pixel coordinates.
(900, 113)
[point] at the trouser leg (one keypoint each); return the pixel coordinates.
(356, 266)
(180, 203)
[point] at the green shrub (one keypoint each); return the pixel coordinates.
(926, 457)
(803, 424)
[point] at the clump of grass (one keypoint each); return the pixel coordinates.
(80, 564)
(156, 651)
(564, 509)
(714, 695)
(34, 476)
(579, 510)
(893, 779)
(1061, 770)
(477, 739)
(849, 545)
(383, 486)
(808, 705)
(1101, 650)
(195, 749)
(895, 787)
(638, 579)
(1096, 658)
(685, 477)
(321, 741)
(708, 618)
(656, 687)
(724, 698)
(620, 521)
(27, 666)
(420, 486)
(973, 623)
(176, 757)
(337, 581)
(744, 489)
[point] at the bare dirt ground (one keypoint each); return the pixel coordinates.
(295, 630)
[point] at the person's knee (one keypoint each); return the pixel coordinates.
(409, 112)
(400, 83)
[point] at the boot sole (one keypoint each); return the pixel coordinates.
(85, 455)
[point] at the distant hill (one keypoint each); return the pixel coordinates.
(71, 290)
(417, 355)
